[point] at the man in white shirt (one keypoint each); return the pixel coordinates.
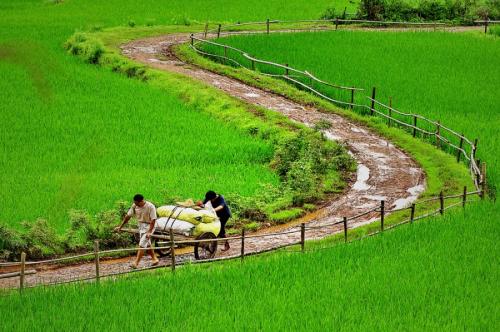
(145, 212)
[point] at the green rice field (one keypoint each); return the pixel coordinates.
(449, 77)
(440, 274)
(75, 136)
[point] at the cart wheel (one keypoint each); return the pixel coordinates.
(161, 252)
(205, 250)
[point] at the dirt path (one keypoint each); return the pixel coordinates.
(384, 171)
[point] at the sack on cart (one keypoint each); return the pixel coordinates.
(187, 214)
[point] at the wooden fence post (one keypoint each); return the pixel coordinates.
(172, 249)
(474, 149)
(206, 30)
(438, 133)
(242, 244)
(218, 30)
(267, 25)
(412, 213)
(352, 98)
(441, 202)
(461, 145)
(464, 199)
(390, 111)
(486, 24)
(302, 236)
(345, 229)
(96, 259)
(253, 65)
(382, 214)
(483, 180)
(286, 69)
(336, 23)
(23, 270)
(414, 125)
(192, 40)
(372, 108)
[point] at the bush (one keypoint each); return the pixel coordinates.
(329, 14)
(372, 9)
(458, 11)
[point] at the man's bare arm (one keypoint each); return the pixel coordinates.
(125, 220)
(151, 228)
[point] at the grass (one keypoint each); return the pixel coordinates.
(61, 164)
(449, 77)
(436, 274)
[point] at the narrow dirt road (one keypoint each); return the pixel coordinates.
(384, 171)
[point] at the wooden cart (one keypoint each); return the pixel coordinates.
(202, 250)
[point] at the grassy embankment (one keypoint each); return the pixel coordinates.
(440, 274)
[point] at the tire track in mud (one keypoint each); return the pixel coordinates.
(384, 171)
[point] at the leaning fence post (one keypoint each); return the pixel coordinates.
(412, 213)
(483, 180)
(460, 147)
(464, 199)
(242, 244)
(286, 69)
(345, 229)
(382, 214)
(267, 26)
(352, 98)
(390, 111)
(21, 273)
(172, 248)
(206, 30)
(372, 108)
(218, 30)
(96, 259)
(253, 65)
(438, 133)
(414, 125)
(441, 202)
(302, 236)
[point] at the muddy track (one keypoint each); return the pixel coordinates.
(384, 171)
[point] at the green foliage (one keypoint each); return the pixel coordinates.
(494, 30)
(89, 50)
(322, 125)
(284, 216)
(131, 23)
(328, 14)
(371, 9)
(458, 11)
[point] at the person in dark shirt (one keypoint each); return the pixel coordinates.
(222, 210)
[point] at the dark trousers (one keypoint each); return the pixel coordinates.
(223, 222)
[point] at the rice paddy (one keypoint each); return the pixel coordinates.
(78, 137)
(449, 77)
(440, 274)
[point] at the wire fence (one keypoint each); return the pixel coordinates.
(353, 98)
(419, 126)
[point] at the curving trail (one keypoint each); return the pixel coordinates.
(384, 171)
